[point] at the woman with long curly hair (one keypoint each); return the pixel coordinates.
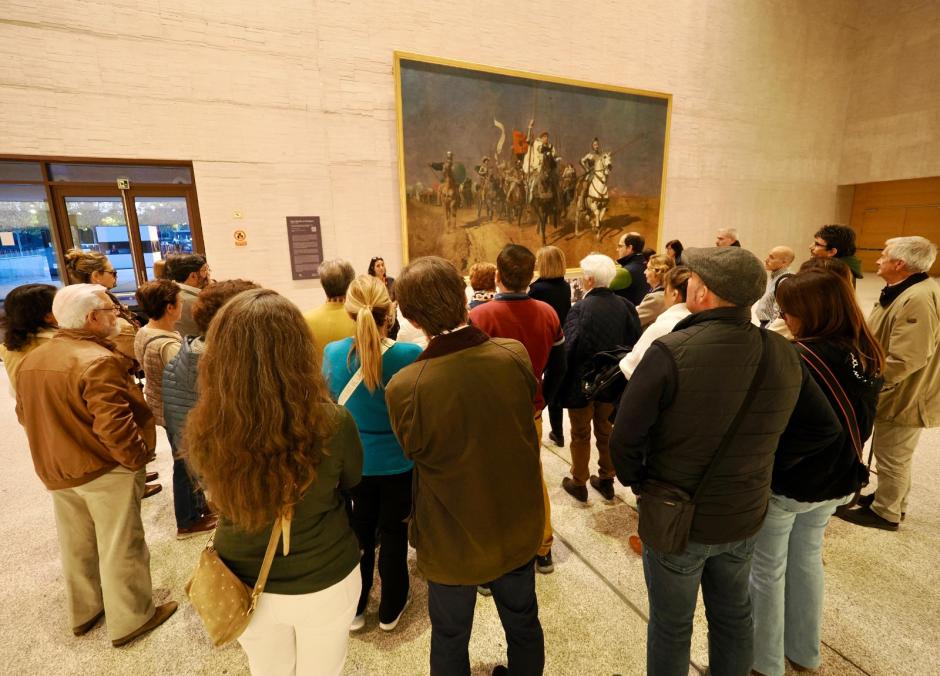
(847, 362)
(27, 322)
(357, 369)
(267, 442)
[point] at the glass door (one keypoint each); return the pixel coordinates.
(99, 223)
(164, 227)
(132, 227)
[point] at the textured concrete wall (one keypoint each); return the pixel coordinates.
(287, 107)
(893, 124)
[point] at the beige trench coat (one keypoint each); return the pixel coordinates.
(909, 331)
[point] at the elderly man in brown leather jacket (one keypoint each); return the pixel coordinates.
(91, 433)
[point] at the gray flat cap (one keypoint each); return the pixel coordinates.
(733, 274)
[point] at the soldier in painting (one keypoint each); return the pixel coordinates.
(588, 162)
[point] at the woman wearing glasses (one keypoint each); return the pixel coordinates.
(846, 361)
(92, 267)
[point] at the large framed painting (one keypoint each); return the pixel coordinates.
(490, 156)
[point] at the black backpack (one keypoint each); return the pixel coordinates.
(603, 381)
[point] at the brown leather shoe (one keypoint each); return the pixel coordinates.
(799, 667)
(603, 486)
(86, 627)
(869, 500)
(579, 493)
(152, 476)
(160, 615)
(204, 525)
(866, 517)
(152, 489)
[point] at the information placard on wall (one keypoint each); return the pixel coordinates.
(306, 246)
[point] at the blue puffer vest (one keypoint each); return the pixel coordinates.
(179, 389)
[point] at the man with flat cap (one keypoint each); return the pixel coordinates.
(701, 418)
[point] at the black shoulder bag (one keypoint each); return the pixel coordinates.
(666, 511)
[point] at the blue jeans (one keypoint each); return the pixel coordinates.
(451, 609)
(189, 502)
(787, 583)
(672, 583)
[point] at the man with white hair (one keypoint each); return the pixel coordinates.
(727, 237)
(906, 321)
(599, 322)
(90, 434)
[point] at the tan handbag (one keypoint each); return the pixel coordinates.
(223, 602)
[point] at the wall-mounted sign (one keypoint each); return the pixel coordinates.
(241, 238)
(306, 246)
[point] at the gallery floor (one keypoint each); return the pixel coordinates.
(881, 616)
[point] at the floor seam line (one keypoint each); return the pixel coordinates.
(610, 585)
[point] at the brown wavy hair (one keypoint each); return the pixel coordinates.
(257, 434)
(213, 297)
(827, 309)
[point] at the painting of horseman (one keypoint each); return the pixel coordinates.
(564, 162)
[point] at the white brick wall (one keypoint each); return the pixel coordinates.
(287, 107)
(893, 126)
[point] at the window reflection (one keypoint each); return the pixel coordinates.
(27, 251)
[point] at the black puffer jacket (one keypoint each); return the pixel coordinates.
(599, 322)
(681, 400)
(837, 471)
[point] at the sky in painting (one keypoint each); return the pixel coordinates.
(447, 108)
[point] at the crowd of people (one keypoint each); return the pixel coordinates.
(409, 410)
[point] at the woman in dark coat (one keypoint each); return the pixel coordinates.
(846, 360)
(551, 287)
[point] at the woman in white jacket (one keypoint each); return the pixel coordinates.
(675, 283)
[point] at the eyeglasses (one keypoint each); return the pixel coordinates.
(112, 271)
(819, 245)
(112, 310)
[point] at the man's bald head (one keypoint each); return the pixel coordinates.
(780, 257)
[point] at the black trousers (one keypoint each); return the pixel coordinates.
(451, 610)
(381, 504)
(556, 419)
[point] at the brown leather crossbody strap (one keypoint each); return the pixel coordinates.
(266, 563)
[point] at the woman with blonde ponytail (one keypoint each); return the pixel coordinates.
(357, 369)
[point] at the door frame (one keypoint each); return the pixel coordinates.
(59, 191)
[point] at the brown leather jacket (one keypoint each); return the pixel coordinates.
(84, 415)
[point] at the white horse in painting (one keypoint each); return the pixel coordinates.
(597, 199)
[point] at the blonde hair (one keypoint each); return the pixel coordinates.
(550, 262)
(259, 429)
(367, 302)
(660, 264)
(79, 265)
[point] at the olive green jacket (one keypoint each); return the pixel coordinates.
(909, 331)
(463, 414)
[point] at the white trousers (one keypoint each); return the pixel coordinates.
(303, 634)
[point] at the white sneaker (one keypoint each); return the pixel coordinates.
(359, 621)
(388, 626)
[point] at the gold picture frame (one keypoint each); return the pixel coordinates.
(450, 208)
